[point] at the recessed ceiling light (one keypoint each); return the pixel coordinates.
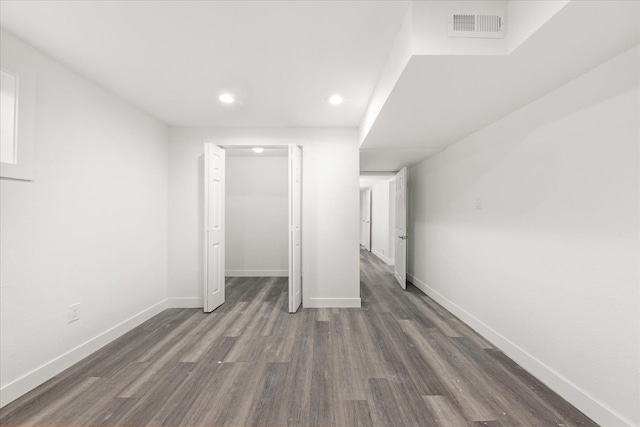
(258, 149)
(227, 98)
(335, 99)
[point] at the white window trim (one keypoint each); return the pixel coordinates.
(25, 132)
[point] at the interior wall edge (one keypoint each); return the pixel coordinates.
(386, 260)
(257, 273)
(586, 403)
(185, 302)
(40, 375)
(332, 303)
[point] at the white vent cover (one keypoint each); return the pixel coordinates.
(476, 25)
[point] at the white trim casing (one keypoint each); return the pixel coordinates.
(25, 118)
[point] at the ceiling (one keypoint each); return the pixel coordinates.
(440, 99)
(172, 59)
(236, 151)
(368, 181)
(283, 59)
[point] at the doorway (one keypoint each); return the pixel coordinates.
(365, 219)
(383, 219)
(253, 218)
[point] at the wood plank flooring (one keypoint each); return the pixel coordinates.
(401, 360)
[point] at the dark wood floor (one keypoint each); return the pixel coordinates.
(401, 360)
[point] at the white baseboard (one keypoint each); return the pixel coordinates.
(599, 412)
(420, 285)
(185, 302)
(332, 303)
(386, 260)
(256, 273)
(40, 375)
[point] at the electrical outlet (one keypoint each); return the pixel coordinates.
(74, 313)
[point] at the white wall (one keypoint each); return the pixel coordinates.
(257, 212)
(398, 58)
(380, 212)
(525, 17)
(91, 228)
(548, 268)
(330, 257)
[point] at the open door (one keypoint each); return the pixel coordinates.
(295, 227)
(214, 207)
(400, 268)
(366, 219)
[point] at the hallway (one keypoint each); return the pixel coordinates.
(462, 379)
(401, 360)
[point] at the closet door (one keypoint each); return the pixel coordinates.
(214, 206)
(295, 227)
(400, 267)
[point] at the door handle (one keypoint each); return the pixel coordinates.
(403, 237)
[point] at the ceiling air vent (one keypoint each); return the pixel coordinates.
(476, 25)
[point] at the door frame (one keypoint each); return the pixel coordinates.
(265, 144)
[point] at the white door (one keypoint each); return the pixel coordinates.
(366, 219)
(361, 218)
(400, 268)
(214, 170)
(295, 227)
